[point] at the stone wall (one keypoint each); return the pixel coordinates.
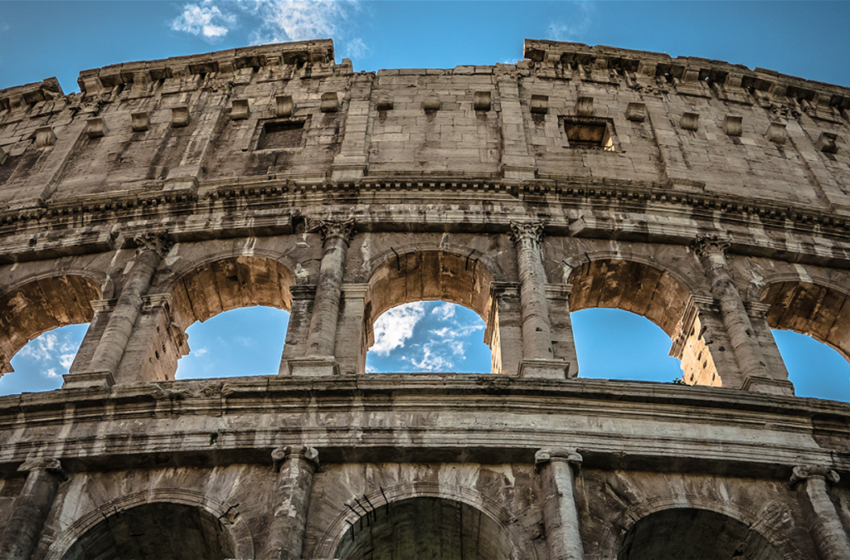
(707, 197)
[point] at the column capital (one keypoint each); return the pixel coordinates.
(521, 231)
(805, 472)
(159, 243)
(332, 229)
(47, 464)
(289, 452)
(710, 245)
(570, 456)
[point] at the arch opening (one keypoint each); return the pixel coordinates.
(426, 527)
(28, 314)
(663, 300)
(432, 284)
(41, 363)
(694, 534)
(815, 368)
(155, 531)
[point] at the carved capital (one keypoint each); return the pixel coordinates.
(570, 456)
(332, 229)
(288, 453)
(520, 231)
(47, 464)
(710, 245)
(157, 242)
(805, 472)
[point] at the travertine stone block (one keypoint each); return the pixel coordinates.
(481, 101)
(636, 112)
(330, 102)
(180, 116)
(540, 104)
(827, 143)
(733, 125)
(4, 155)
(45, 137)
(284, 106)
(689, 121)
(584, 107)
(776, 133)
(139, 121)
(384, 103)
(431, 102)
(96, 127)
(240, 109)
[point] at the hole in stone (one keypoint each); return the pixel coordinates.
(40, 365)
(588, 133)
(432, 336)
(816, 369)
(244, 341)
(281, 135)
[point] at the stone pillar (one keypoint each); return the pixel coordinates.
(828, 534)
(102, 310)
(563, 342)
(31, 508)
(538, 359)
(560, 514)
(116, 335)
(295, 344)
(504, 328)
(157, 343)
(292, 500)
(712, 254)
(777, 381)
(351, 343)
(321, 340)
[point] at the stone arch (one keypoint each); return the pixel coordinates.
(492, 510)
(429, 275)
(809, 305)
(614, 544)
(40, 303)
(213, 515)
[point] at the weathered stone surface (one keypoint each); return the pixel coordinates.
(707, 197)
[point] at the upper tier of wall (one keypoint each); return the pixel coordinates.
(685, 126)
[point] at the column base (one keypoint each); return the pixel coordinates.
(544, 369)
(88, 380)
(769, 386)
(313, 366)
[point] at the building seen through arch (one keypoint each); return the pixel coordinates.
(450, 229)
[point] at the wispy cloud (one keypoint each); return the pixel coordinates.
(444, 311)
(395, 327)
(41, 348)
(200, 352)
(356, 48)
(204, 19)
(578, 24)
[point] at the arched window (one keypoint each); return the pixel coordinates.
(244, 341)
(815, 369)
(432, 336)
(617, 344)
(40, 365)
(433, 528)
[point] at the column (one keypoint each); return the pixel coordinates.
(31, 508)
(504, 328)
(828, 534)
(560, 514)
(538, 359)
(563, 342)
(321, 339)
(116, 335)
(351, 344)
(292, 500)
(295, 344)
(102, 309)
(777, 381)
(712, 254)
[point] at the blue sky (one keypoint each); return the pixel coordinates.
(43, 39)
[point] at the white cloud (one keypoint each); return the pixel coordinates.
(52, 373)
(356, 48)
(204, 19)
(65, 360)
(432, 361)
(200, 352)
(578, 25)
(395, 327)
(445, 311)
(41, 348)
(297, 20)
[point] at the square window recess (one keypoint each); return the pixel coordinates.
(281, 135)
(589, 134)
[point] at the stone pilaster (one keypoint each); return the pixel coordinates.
(825, 528)
(102, 310)
(31, 508)
(563, 341)
(119, 328)
(351, 344)
(292, 500)
(560, 514)
(295, 345)
(321, 339)
(517, 160)
(748, 355)
(504, 328)
(351, 161)
(538, 358)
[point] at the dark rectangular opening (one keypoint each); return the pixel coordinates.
(281, 135)
(588, 134)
